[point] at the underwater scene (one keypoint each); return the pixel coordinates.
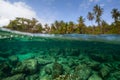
(59, 57)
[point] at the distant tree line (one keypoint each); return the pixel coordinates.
(61, 27)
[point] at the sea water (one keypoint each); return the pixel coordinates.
(59, 57)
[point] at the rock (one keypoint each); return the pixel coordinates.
(117, 66)
(29, 66)
(72, 63)
(5, 70)
(1, 75)
(67, 68)
(2, 59)
(4, 54)
(94, 65)
(82, 56)
(25, 56)
(48, 70)
(115, 75)
(112, 78)
(101, 57)
(66, 77)
(32, 77)
(116, 57)
(105, 70)
(42, 61)
(47, 77)
(61, 52)
(82, 72)
(57, 70)
(95, 77)
(74, 52)
(15, 77)
(13, 60)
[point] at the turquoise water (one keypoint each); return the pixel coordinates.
(57, 58)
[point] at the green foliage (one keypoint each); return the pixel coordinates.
(25, 25)
(115, 14)
(61, 27)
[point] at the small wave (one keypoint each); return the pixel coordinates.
(26, 33)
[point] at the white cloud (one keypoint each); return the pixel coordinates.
(93, 0)
(84, 5)
(102, 5)
(9, 11)
(88, 3)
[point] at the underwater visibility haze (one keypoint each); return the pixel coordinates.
(59, 57)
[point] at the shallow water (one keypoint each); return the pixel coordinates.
(67, 50)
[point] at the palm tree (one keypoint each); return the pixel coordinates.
(81, 25)
(52, 29)
(47, 28)
(90, 16)
(81, 20)
(38, 28)
(34, 22)
(56, 24)
(104, 26)
(98, 13)
(62, 27)
(70, 27)
(115, 14)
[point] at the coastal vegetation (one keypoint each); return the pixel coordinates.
(61, 27)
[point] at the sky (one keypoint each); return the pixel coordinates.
(47, 11)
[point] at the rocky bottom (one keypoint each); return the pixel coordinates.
(59, 67)
(56, 59)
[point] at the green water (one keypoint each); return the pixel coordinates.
(67, 52)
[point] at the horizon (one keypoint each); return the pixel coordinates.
(47, 11)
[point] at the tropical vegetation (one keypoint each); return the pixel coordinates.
(61, 27)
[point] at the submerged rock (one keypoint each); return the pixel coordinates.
(94, 65)
(5, 70)
(13, 60)
(72, 63)
(25, 56)
(16, 77)
(105, 70)
(29, 66)
(57, 70)
(114, 76)
(2, 59)
(75, 52)
(95, 77)
(44, 61)
(48, 70)
(101, 57)
(82, 72)
(46, 77)
(32, 77)
(4, 55)
(116, 57)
